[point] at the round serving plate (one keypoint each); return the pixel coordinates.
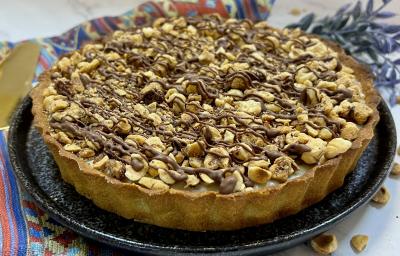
(39, 175)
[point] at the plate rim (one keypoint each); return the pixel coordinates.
(48, 205)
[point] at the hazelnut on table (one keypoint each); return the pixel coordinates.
(382, 196)
(359, 242)
(324, 244)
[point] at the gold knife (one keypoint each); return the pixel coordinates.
(16, 73)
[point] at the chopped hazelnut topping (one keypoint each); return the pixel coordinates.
(204, 102)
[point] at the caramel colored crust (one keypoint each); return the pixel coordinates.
(210, 210)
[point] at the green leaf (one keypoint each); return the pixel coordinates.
(375, 25)
(317, 29)
(393, 74)
(385, 15)
(357, 10)
(372, 54)
(341, 23)
(306, 21)
(385, 68)
(293, 25)
(370, 7)
(392, 29)
(365, 42)
(338, 39)
(361, 27)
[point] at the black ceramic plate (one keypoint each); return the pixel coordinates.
(38, 173)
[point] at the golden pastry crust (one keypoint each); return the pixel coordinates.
(209, 210)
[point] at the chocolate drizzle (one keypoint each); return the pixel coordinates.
(227, 185)
(118, 83)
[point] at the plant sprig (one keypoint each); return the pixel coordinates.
(359, 31)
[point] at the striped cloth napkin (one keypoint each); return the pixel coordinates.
(26, 229)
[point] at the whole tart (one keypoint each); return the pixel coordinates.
(203, 123)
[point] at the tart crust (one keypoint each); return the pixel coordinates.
(200, 211)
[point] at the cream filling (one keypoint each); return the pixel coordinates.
(204, 187)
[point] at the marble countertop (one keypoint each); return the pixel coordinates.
(24, 19)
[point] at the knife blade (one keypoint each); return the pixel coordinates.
(16, 73)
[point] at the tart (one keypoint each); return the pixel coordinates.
(204, 123)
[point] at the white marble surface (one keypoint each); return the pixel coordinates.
(23, 19)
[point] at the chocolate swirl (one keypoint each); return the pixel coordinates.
(195, 80)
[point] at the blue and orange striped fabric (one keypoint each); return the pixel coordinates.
(27, 230)
(14, 234)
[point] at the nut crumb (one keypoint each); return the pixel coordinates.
(359, 242)
(324, 244)
(72, 147)
(154, 184)
(337, 146)
(395, 169)
(101, 163)
(382, 196)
